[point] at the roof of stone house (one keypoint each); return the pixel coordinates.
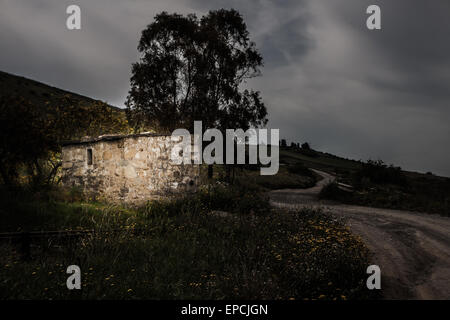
(111, 137)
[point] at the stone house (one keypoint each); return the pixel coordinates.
(126, 168)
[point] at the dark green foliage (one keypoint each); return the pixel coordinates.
(379, 173)
(237, 199)
(300, 169)
(23, 140)
(332, 192)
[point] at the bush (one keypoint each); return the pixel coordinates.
(209, 198)
(300, 169)
(378, 172)
(332, 192)
(237, 199)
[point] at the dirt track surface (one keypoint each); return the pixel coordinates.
(412, 249)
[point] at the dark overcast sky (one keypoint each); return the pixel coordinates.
(327, 79)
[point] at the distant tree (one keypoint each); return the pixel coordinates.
(306, 146)
(283, 143)
(192, 69)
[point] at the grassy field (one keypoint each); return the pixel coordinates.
(181, 249)
(285, 178)
(318, 160)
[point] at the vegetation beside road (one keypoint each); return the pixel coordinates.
(376, 184)
(293, 176)
(182, 249)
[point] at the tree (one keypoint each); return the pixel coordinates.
(306, 146)
(23, 137)
(192, 69)
(283, 143)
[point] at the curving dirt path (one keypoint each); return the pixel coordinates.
(412, 249)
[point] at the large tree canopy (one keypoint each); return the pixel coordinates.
(193, 69)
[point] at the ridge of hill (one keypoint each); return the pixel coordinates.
(37, 92)
(72, 115)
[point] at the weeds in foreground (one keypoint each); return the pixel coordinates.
(178, 249)
(299, 255)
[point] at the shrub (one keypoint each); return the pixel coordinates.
(300, 169)
(209, 198)
(379, 173)
(236, 199)
(332, 192)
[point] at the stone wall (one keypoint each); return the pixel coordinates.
(127, 169)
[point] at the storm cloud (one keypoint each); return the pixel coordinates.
(327, 79)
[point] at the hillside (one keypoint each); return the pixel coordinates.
(374, 183)
(37, 92)
(335, 164)
(84, 115)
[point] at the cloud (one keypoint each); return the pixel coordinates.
(327, 79)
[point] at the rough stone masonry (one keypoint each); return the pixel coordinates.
(126, 168)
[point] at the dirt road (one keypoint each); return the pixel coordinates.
(412, 249)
